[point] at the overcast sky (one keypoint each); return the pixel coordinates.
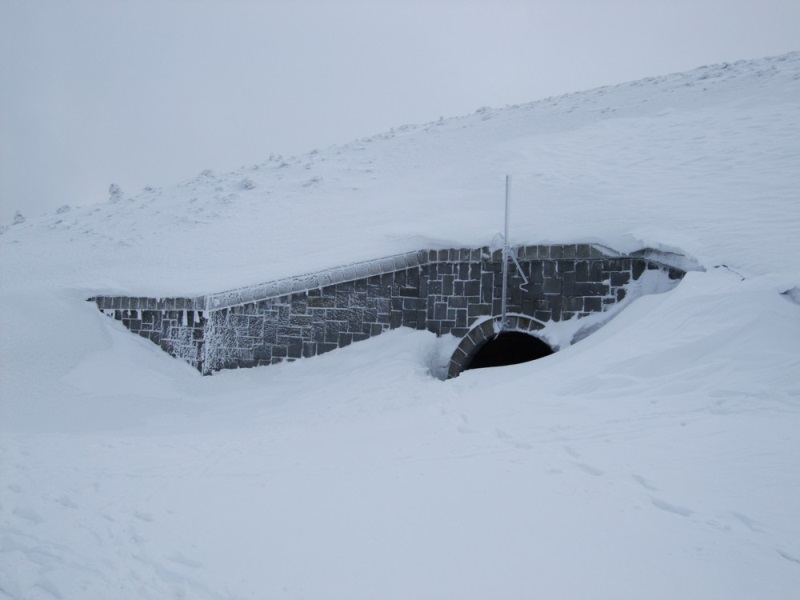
(151, 92)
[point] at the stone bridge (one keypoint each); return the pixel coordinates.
(456, 291)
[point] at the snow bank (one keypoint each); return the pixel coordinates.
(656, 458)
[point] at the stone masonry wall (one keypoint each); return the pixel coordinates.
(443, 291)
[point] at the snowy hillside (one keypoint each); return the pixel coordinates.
(657, 458)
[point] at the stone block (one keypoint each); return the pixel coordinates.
(552, 286)
(620, 278)
(440, 310)
(591, 289)
(435, 288)
(475, 271)
(463, 271)
(355, 323)
(457, 302)
(383, 305)
(478, 310)
(288, 331)
(424, 277)
(445, 326)
(594, 304)
(369, 315)
(637, 268)
(582, 271)
(301, 320)
(270, 333)
(378, 291)
(568, 284)
(555, 308)
(493, 266)
(447, 285)
(396, 319)
(572, 303)
(412, 277)
(325, 347)
(472, 288)
(596, 269)
(332, 329)
(534, 271)
(528, 306)
(344, 298)
(535, 290)
(415, 304)
(262, 353)
(294, 347)
(487, 285)
(566, 266)
(299, 304)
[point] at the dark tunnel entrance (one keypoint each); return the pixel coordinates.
(509, 348)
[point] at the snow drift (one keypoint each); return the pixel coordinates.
(657, 458)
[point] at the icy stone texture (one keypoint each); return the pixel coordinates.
(443, 291)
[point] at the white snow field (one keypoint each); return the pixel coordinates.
(657, 458)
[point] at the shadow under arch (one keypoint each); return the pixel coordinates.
(488, 344)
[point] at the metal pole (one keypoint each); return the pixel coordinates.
(505, 258)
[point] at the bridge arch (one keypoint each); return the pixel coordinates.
(489, 343)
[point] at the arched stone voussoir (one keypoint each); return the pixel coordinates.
(484, 331)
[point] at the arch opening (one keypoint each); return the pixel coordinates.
(509, 348)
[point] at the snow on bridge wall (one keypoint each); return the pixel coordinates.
(443, 291)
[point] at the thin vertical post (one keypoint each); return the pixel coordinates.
(504, 298)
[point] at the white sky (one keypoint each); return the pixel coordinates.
(150, 92)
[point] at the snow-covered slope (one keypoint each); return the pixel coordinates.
(679, 161)
(657, 458)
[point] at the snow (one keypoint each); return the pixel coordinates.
(657, 457)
